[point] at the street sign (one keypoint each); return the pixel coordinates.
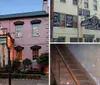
(91, 21)
(85, 23)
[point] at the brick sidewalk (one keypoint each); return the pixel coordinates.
(43, 81)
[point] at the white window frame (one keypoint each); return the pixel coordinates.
(36, 30)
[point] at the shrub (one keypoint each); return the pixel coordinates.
(43, 59)
(22, 76)
(16, 63)
(26, 62)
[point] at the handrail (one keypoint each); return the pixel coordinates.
(70, 71)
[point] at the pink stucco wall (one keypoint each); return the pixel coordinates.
(28, 40)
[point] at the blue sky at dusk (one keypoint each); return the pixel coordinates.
(19, 6)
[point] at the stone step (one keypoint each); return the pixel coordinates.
(66, 76)
(86, 83)
(77, 71)
(65, 81)
(71, 62)
(81, 77)
(74, 66)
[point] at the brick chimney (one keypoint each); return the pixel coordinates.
(45, 5)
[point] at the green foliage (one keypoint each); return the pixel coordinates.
(21, 76)
(26, 62)
(16, 63)
(43, 59)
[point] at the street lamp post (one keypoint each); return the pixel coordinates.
(9, 74)
(78, 30)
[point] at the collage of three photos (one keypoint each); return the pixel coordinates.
(50, 42)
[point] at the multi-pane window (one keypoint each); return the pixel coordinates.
(84, 12)
(18, 30)
(55, 39)
(75, 2)
(63, 0)
(19, 55)
(69, 21)
(35, 29)
(65, 20)
(75, 39)
(89, 39)
(61, 39)
(97, 39)
(19, 52)
(86, 5)
(35, 51)
(95, 4)
(35, 54)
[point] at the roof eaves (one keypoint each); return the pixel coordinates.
(22, 15)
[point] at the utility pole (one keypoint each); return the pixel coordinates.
(51, 18)
(78, 30)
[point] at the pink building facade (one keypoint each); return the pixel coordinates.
(30, 31)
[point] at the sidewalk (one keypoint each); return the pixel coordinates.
(43, 81)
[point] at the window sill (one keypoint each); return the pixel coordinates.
(18, 37)
(35, 36)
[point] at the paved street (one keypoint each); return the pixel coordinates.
(43, 81)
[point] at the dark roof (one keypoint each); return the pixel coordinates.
(22, 15)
